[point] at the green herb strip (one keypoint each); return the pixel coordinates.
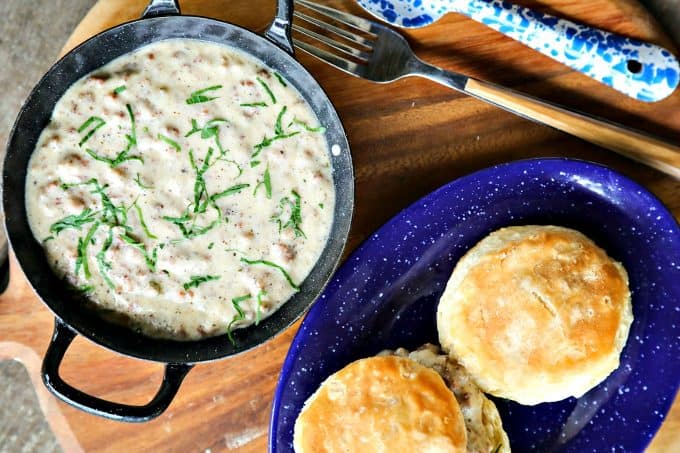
(141, 220)
(275, 266)
(98, 122)
(198, 279)
(280, 79)
(119, 159)
(278, 129)
(200, 188)
(267, 182)
(254, 104)
(191, 231)
(150, 259)
(258, 313)
(123, 155)
(279, 134)
(267, 89)
(81, 260)
(268, 141)
(85, 288)
(139, 183)
(230, 191)
(240, 316)
(209, 130)
(211, 245)
(119, 89)
(308, 127)
(198, 96)
(75, 221)
(110, 211)
(295, 219)
(170, 142)
(104, 265)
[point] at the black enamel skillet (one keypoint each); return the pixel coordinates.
(161, 20)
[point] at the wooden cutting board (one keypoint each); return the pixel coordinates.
(407, 139)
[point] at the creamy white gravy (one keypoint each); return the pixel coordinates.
(150, 227)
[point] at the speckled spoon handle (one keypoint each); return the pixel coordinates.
(640, 70)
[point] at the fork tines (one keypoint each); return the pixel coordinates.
(357, 23)
(357, 47)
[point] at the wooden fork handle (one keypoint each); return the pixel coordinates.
(649, 150)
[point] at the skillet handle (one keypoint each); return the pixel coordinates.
(157, 8)
(279, 31)
(61, 339)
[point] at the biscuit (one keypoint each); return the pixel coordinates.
(381, 404)
(485, 433)
(536, 313)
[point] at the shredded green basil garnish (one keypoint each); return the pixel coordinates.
(255, 163)
(81, 260)
(139, 183)
(119, 159)
(198, 279)
(200, 189)
(110, 211)
(230, 191)
(267, 182)
(267, 89)
(170, 142)
(321, 205)
(149, 258)
(141, 221)
(279, 134)
(187, 225)
(268, 141)
(258, 313)
(85, 288)
(236, 302)
(254, 104)
(197, 96)
(211, 245)
(75, 221)
(98, 122)
(104, 265)
(308, 127)
(209, 130)
(281, 80)
(278, 129)
(275, 266)
(123, 155)
(295, 219)
(119, 89)
(48, 238)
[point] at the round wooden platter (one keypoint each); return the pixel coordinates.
(407, 139)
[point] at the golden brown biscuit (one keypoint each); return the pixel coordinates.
(536, 313)
(483, 423)
(381, 404)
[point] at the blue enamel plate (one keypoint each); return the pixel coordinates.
(386, 293)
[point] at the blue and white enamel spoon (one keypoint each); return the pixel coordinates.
(640, 70)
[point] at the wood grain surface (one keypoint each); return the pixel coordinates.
(407, 139)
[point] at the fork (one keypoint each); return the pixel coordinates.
(380, 54)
